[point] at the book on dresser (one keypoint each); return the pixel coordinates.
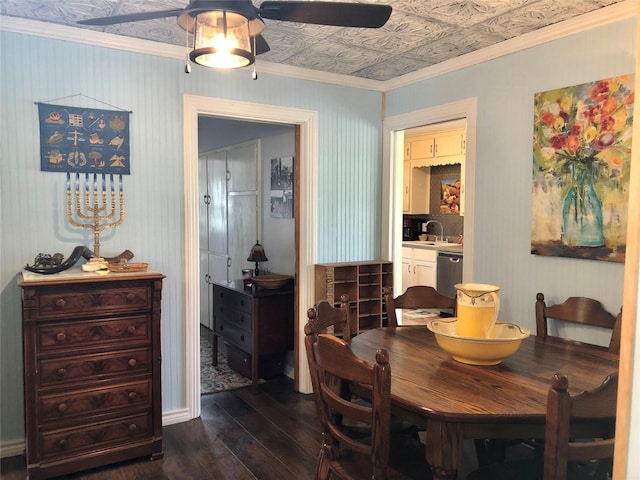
(92, 364)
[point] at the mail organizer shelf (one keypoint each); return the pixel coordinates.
(91, 370)
(363, 282)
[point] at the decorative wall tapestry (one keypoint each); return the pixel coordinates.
(581, 164)
(83, 140)
(282, 187)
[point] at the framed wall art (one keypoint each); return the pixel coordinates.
(581, 164)
(282, 187)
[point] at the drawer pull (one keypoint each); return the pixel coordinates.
(62, 372)
(131, 329)
(132, 362)
(221, 328)
(131, 297)
(62, 444)
(242, 338)
(133, 395)
(61, 337)
(60, 303)
(62, 407)
(241, 318)
(133, 427)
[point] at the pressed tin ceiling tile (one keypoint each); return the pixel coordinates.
(420, 33)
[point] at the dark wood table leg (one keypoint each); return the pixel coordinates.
(444, 449)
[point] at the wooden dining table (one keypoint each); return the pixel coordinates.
(455, 401)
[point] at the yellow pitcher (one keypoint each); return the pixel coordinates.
(478, 305)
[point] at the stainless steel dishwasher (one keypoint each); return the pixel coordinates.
(449, 272)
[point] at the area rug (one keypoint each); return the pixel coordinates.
(219, 378)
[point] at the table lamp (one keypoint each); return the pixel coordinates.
(257, 255)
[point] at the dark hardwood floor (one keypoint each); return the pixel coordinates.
(271, 435)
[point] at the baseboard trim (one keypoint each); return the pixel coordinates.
(12, 448)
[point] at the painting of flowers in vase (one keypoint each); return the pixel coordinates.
(581, 166)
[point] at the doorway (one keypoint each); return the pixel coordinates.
(394, 128)
(306, 151)
(235, 211)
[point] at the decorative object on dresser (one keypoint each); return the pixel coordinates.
(272, 281)
(92, 365)
(257, 255)
(93, 210)
(256, 325)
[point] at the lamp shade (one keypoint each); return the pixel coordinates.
(222, 39)
(257, 254)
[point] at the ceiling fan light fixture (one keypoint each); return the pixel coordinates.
(222, 39)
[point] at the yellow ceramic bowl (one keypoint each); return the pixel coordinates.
(478, 351)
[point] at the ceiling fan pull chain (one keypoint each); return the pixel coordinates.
(187, 66)
(254, 74)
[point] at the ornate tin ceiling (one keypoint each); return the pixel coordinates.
(419, 34)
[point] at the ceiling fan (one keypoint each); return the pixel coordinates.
(227, 33)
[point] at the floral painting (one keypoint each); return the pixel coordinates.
(581, 163)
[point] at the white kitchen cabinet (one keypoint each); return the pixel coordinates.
(419, 267)
(423, 152)
(450, 144)
(406, 187)
(422, 147)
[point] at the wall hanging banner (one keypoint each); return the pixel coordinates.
(85, 140)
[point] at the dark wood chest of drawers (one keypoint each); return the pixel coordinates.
(256, 325)
(91, 370)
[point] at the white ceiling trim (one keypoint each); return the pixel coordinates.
(602, 16)
(148, 47)
(597, 18)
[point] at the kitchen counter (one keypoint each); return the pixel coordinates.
(441, 247)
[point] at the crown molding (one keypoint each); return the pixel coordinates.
(596, 18)
(602, 16)
(148, 47)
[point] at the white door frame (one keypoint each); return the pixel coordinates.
(194, 106)
(393, 158)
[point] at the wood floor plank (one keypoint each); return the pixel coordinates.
(280, 442)
(296, 416)
(256, 456)
(218, 446)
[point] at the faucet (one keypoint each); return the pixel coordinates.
(426, 228)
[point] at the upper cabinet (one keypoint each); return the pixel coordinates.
(441, 148)
(426, 150)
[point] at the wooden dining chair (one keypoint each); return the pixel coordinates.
(416, 297)
(567, 454)
(329, 319)
(579, 310)
(346, 454)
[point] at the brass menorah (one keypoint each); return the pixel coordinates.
(92, 210)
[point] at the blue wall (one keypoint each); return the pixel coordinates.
(504, 88)
(35, 69)
(349, 170)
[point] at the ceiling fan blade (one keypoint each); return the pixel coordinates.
(340, 14)
(132, 17)
(261, 45)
